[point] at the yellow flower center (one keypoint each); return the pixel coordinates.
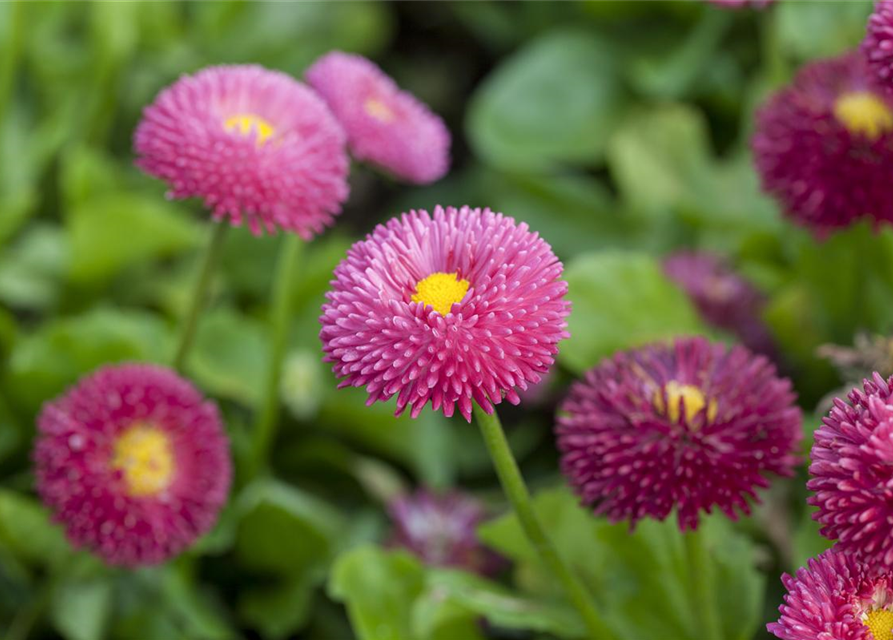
(864, 113)
(378, 110)
(246, 123)
(880, 624)
(691, 396)
(440, 290)
(143, 454)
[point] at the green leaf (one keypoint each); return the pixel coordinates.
(31, 270)
(230, 355)
(285, 531)
(379, 589)
(80, 609)
(110, 233)
(555, 101)
(200, 615)
(621, 300)
(662, 161)
(425, 443)
(469, 596)
(573, 213)
(633, 572)
(44, 363)
(25, 528)
(660, 157)
(279, 610)
(810, 30)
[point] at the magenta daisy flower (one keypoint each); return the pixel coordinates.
(689, 425)
(836, 598)
(441, 530)
(257, 146)
(878, 43)
(852, 473)
(134, 462)
(724, 299)
(824, 145)
(465, 305)
(385, 126)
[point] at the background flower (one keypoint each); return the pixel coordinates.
(824, 145)
(878, 43)
(441, 529)
(134, 462)
(851, 473)
(724, 299)
(836, 597)
(255, 145)
(687, 426)
(385, 126)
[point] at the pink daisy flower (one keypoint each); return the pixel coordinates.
(257, 146)
(878, 43)
(385, 126)
(824, 145)
(852, 473)
(134, 462)
(723, 298)
(836, 598)
(441, 530)
(461, 306)
(689, 425)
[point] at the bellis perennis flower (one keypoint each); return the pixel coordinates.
(852, 473)
(134, 462)
(460, 306)
(824, 145)
(385, 126)
(836, 598)
(257, 146)
(687, 426)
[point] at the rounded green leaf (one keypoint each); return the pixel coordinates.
(621, 300)
(555, 101)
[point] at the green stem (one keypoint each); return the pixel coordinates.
(519, 497)
(268, 416)
(702, 587)
(200, 293)
(774, 61)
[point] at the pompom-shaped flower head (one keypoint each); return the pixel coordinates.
(385, 126)
(852, 473)
(723, 298)
(836, 598)
(465, 305)
(441, 530)
(257, 146)
(689, 425)
(134, 462)
(824, 145)
(878, 44)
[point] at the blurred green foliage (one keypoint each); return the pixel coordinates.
(617, 130)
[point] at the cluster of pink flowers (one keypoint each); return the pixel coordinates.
(467, 306)
(133, 461)
(263, 149)
(824, 148)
